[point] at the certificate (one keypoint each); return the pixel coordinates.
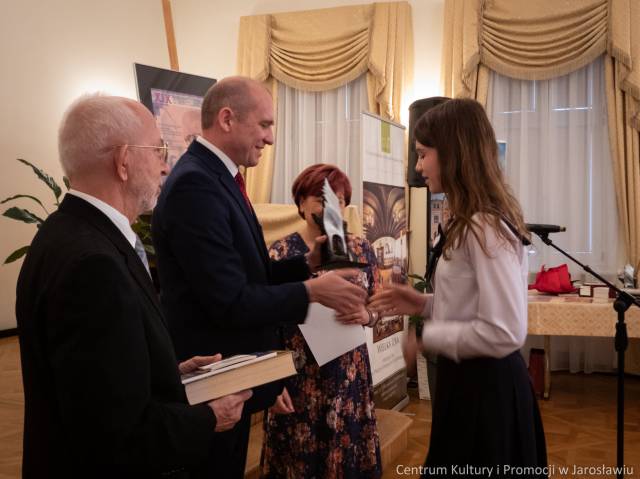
(326, 337)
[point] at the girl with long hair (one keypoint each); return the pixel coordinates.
(484, 412)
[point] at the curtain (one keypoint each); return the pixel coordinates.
(558, 161)
(559, 166)
(623, 101)
(625, 148)
(258, 178)
(325, 49)
(523, 39)
(459, 49)
(538, 40)
(320, 127)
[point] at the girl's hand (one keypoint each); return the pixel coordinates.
(396, 299)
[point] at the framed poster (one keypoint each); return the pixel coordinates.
(175, 99)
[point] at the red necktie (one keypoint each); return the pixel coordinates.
(240, 182)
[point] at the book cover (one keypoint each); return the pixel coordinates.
(236, 374)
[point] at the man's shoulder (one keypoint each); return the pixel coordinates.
(64, 243)
(191, 170)
(69, 233)
(191, 178)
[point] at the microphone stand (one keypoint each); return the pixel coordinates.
(623, 301)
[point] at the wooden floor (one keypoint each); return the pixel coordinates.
(579, 421)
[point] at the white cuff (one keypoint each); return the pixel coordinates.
(442, 337)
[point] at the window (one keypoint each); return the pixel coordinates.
(558, 162)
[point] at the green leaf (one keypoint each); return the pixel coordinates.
(415, 276)
(420, 286)
(17, 254)
(25, 196)
(66, 182)
(22, 214)
(48, 180)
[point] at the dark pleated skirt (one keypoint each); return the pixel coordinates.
(485, 414)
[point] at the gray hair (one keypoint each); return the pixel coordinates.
(91, 126)
(236, 93)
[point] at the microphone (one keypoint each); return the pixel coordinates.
(544, 229)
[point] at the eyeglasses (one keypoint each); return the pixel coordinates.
(164, 150)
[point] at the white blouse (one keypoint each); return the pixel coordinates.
(479, 306)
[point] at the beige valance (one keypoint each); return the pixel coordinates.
(538, 40)
(313, 51)
(319, 50)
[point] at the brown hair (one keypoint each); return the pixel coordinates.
(309, 183)
(470, 175)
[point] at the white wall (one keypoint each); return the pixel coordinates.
(51, 52)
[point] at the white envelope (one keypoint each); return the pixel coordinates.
(327, 338)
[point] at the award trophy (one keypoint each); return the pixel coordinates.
(335, 251)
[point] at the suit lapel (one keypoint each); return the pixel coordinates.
(78, 207)
(214, 163)
(232, 188)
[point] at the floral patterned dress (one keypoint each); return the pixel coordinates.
(332, 433)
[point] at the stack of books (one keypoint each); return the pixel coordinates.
(236, 373)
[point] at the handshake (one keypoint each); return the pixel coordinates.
(335, 291)
(352, 304)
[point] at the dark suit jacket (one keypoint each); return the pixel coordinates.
(219, 290)
(102, 389)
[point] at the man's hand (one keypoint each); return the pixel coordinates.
(228, 409)
(396, 299)
(358, 316)
(196, 362)
(334, 291)
(314, 257)
(284, 404)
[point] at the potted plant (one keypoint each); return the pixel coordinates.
(142, 227)
(28, 216)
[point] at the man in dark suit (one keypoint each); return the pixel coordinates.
(102, 387)
(218, 287)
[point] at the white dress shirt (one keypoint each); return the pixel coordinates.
(231, 166)
(117, 218)
(479, 306)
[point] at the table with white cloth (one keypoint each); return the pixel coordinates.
(575, 316)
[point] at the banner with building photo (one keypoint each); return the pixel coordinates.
(384, 221)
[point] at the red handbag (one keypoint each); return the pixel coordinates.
(553, 280)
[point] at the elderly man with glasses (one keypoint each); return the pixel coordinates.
(102, 387)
